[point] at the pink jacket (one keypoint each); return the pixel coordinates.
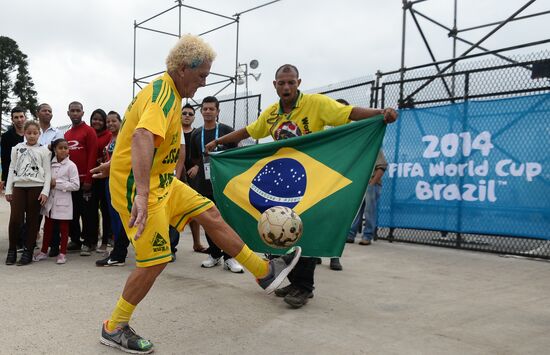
(60, 203)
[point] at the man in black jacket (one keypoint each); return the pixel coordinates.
(12, 137)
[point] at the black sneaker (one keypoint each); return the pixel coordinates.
(335, 264)
(298, 297)
(282, 292)
(125, 339)
(26, 258)
(73, 247)
(279, 269)
(11, 257)
(109, 262)
(53, 252)
(318, 261)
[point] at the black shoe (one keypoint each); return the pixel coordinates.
(26, 258)
(283, 291)
(318, 261)
(298, 297)
(335, 264)
(11, 257)
(349, 240)
(72, 247)
(109, 262)
(173, 258)
(53, 252)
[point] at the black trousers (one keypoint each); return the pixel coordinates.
(99, 201)
(81, 209)
(303, 273)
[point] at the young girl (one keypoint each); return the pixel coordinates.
(59, 207)
(27, 189)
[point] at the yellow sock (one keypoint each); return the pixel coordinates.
(121, 314)
(252, 262)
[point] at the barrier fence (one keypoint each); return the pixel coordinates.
(468, 159)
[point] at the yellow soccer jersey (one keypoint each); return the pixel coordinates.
(157, 108)
(311, 113)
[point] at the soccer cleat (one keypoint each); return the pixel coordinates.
(39, 256)
(109, 262)
(279, 269)
(125, 339)
(233, 266)
(61, 259)
(210, 262)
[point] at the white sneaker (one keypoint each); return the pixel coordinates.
(233, 266)
(40, 256)
(210, 262)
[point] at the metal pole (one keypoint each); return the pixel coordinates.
(236, 67)
(134, 77)
(403, 32)
(179, 18)
(454, 50)
(246, 87)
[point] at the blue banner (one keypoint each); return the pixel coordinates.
(473, 167)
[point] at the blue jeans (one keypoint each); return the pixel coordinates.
(369, 209)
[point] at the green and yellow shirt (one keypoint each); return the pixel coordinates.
(156, 108)
(311, 113)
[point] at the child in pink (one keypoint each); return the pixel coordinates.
(59, 207)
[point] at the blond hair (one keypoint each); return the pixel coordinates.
(191, 51)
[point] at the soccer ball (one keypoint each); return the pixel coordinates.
(280, 227)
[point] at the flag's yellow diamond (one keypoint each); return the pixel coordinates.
(319, 181)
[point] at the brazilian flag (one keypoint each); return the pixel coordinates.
(322, 176)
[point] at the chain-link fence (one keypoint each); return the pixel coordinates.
(237, 113)
(479, 78)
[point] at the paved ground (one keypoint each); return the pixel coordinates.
(390, 299)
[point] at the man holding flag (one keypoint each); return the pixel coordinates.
(296, 114)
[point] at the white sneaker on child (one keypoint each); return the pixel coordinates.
(40, 256)
(61, 259)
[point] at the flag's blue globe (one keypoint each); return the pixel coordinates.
(281, 182)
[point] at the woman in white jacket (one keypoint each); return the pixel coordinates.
(27, 189)
(59, 207)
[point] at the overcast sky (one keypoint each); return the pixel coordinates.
(83, 50)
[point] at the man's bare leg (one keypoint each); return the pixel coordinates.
(220, 232)
(140, 282)
(269, 274)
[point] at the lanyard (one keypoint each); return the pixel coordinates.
(202, 137)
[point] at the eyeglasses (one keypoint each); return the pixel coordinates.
(187, 113)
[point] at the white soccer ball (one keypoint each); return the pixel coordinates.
(280, 227)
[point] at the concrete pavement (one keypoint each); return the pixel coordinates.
(389, 299)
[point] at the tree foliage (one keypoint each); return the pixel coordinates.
(16, 85)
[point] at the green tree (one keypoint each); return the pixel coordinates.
(16, 85)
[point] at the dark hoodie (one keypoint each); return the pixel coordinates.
(10, 139)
